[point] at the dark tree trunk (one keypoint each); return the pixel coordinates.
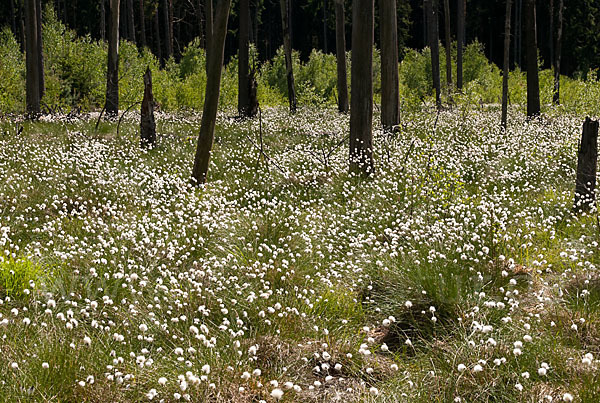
(209, 27)
(74, 13)
(340, 45)
(287, 45)
(448, 43)
(103, 20)
(256, 17)
(112, 74)
(147, 123)
(157, 44)
(142, 25)
(243, 60)
(130, 21)
(176, 18)
(551, 32)
(533, 82)
(325, 26)
(13, 18)
(506, 64)
(425, 41)
(65, 13)
(433, 36)
(460, 41)
(171, 36)
(211, 99)
(38, 14)
(168, 29)
(123, 28)
(556, 92)
(390, 92)
(21, 25)
(361, 109)
(200, 22)
(587, 157)
(32, 60)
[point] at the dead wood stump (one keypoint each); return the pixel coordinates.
(587, 160)
(147, 124)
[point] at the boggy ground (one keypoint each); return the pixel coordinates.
(458, 272)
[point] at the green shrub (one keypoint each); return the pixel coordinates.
(317, 80)
(75, 67)
(12, 66)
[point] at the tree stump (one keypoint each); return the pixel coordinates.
(147, 124)
(587, 157)
(252, 95)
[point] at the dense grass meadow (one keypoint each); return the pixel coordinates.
(458, 272)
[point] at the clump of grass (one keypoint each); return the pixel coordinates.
(18, 276)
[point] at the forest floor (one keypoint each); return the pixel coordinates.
(458, 272)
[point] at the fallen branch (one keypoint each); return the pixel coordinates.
(123, 115)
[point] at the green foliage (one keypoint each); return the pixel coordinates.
(75, 67)
(415, 74)
(18, 277)
(75, 77)
(482, 80)
(12, 66)
(317, 79)
(581, 96)
(273, 73)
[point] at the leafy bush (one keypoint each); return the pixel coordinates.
(317, 79)
(75, 67)
(12, 66)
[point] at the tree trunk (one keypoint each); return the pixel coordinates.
(556, 92)
(340, 50)
(325, 26)
(147, 123)
(551, 32)
(361, 109)
(32, 60)
(448, 44)
(21, 25)
(287, 45)
(433, 36)
(171, 36)
(75, 9)
(533, 83)
(13, 18)
(516, 45)
(176, 16)
(123, 28)
(587, 157)
(130, 21)
(112, 74)
(506, 64)
(390, 91)
(243, 60)
(142, 25)
(168, 32)
(200, 22)
(38, 13)
(65, 13)
(460, 41)
(103, 20)
(209, 27)
(211, 99)
(157, 43)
